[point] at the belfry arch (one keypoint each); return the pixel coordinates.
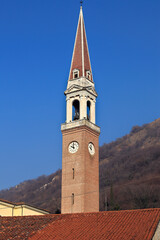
(75, 110)
(88, 110)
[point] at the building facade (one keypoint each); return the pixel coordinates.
(19, 209)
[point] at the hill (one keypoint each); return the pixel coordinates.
(129, 175)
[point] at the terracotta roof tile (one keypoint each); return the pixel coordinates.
(126, 225)
(116, 225)
(6, 201)
(22, 227)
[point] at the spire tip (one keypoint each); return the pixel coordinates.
(81, 2)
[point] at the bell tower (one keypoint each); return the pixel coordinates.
(80, 147)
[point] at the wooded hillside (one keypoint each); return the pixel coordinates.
(129, 175)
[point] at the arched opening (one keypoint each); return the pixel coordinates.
(75, 73)
(88, 110)
(75, 110)
(88, 75)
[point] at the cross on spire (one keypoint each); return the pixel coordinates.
(81, 2)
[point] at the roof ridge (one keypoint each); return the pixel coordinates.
(105, 212)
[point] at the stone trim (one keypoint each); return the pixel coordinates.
(80, 123)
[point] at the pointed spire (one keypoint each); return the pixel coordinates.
(80, 58)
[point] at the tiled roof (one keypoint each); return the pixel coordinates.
(116, 225)
(23, 227)
(28, 205)
(6, 201)
(80, 58)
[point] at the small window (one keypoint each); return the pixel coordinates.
(75, 73)
(88, 75)
(73, 172)
(72, 198)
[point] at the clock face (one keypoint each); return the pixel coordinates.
(73, 147)
(91, 148)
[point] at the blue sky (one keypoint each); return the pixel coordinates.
(36, 44)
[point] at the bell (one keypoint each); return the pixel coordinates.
(76, 116)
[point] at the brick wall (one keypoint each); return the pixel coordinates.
(85, 185)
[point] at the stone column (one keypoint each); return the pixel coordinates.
(69, 110)
(83, 107)
(92, 111)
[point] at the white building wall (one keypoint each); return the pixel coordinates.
(157, 233)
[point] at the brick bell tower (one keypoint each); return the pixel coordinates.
(80, 151)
